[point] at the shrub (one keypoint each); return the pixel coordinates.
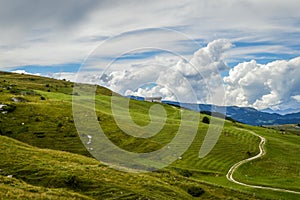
(39, 133)
(60, 124)
(24, 129)
(185, 173)
(14, 91)
(38, 119)
(9, 132)
(195, 191)
(72, 182)
(9, 108)
(205, 120)
(249, 153)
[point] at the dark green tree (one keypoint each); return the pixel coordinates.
(205, 120)
(195, 191)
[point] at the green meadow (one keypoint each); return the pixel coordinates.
(42, 156)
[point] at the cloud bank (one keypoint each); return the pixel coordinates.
(272, 85)
(196, 80)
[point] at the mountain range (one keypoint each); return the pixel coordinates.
(245, 115)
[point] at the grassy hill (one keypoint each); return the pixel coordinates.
(42, 151)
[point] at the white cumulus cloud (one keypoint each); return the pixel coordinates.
(20, 71)
(296, 97)
(273, 85)
(196, 80)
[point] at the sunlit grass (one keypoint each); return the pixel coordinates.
(45, 120)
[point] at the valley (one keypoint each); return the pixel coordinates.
(42, 156)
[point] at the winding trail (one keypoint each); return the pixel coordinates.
(262, 152)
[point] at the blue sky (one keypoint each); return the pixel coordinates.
(72, 67)
(144, 39)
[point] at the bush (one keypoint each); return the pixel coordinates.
(38, 119)
(195, 191)
(72, 182)
(9, 108)
(39, 134)
(14, 91)
(249, 153)
(185, 173)
(60, 124)
(9, 132)
(205, 120)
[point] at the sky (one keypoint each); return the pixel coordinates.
(225, 52)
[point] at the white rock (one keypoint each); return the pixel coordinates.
(2, 105)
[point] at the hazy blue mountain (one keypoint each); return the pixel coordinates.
(282, 112)
(245, 115)
(136, 97)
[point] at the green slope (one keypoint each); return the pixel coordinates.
(280, 167)
(41, 173)
(43, 118)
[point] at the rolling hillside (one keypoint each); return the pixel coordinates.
(42, 156)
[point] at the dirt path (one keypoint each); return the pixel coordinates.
(262, 152)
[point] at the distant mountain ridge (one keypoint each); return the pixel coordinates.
(281, 112)
(245, 115)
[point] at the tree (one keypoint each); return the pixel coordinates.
(205, 120)
(195, 191)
